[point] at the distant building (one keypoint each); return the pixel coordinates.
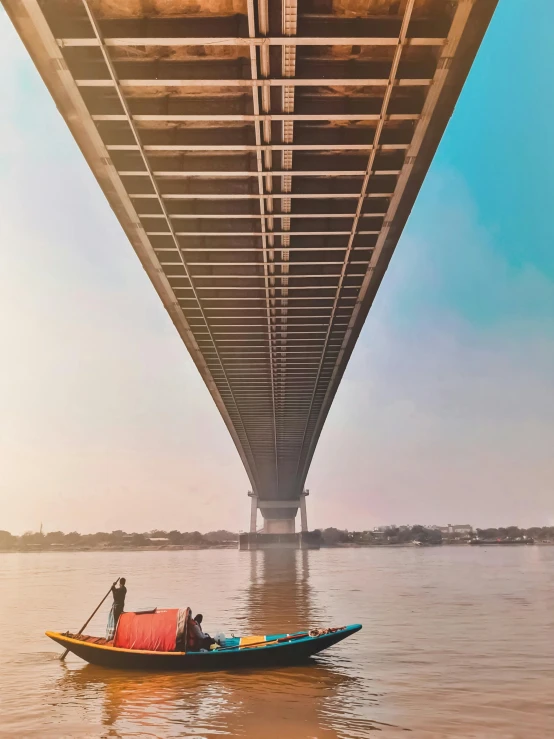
(462, 529)
(465, 529)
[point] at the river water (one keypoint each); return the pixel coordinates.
(456, 642)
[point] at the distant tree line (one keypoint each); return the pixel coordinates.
(424, 535)
(391, 535)
(539, 533)
(118, 539)
(329, 537)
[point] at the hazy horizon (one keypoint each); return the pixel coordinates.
(445, 413)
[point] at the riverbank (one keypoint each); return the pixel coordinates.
(330, 538)
(234, 545)
(167, 548)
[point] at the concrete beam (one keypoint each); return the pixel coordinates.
(210, 41)
(250, 118)
(223, 82)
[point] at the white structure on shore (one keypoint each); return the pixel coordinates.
(461, 528)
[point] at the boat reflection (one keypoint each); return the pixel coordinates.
(292, 702)
(320, 699)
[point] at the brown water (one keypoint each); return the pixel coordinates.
(457, 642)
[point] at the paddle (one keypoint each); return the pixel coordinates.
(291, 637)
(84, 626)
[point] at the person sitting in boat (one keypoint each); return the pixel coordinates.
(197, 638)
(207, 639)
(117, 607)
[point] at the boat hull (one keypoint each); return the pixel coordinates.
(270, 654)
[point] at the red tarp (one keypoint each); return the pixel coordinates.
(156, 632)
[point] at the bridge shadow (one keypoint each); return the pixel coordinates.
(316, 699)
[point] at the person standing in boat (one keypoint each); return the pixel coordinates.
(117, 607)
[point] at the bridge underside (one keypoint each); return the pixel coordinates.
(262, 158)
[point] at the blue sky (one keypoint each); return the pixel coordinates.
(446, 412)
(500, 138)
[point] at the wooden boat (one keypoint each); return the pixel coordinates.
(234, 652)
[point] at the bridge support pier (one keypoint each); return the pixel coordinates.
(303, 513)
(253, 511)
(279, 529)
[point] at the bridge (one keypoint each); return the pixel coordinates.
(262, 157)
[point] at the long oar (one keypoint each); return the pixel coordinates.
(84, 626)
(283, 639)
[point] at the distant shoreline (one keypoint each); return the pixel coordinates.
(167, 548)
(234, 545)
(331, 537)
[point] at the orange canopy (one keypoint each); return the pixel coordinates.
(155, 632)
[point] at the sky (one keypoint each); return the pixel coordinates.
(445, 413)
